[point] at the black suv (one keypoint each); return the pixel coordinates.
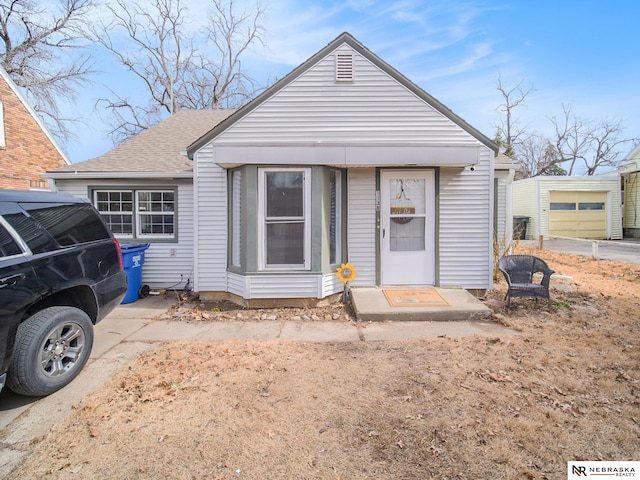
(60, 273)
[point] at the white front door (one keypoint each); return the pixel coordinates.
(407, 217)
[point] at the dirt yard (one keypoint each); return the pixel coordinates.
(567, 387)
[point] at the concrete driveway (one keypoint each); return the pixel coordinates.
(627, 250)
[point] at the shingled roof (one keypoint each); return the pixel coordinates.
(156, 151)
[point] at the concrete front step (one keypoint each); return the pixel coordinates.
(371, 304)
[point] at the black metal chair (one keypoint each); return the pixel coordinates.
(519, 271)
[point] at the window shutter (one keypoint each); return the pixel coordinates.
(344, 67)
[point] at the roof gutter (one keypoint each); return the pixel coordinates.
(76, 175)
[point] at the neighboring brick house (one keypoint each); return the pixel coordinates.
(27, 148)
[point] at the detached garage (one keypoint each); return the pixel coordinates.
(578, 207)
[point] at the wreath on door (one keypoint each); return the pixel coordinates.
(401, 205)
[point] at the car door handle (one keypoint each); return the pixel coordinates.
(12, 279)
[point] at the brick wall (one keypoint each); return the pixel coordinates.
(28, 152)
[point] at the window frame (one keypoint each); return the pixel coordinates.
(263, 221)
(236, 213)
(336, 216)
(137, 214)
(13, 235)
(563, 206)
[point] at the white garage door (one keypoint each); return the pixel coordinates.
(578, 214)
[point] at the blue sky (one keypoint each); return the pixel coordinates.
(582, 53)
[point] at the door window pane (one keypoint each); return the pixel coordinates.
(407, 196)
(407, 214)
(409, 236)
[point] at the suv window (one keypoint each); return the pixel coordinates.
(70, 224)
(33, 234)
(8, 246)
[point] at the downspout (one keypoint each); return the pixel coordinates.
(509, 207)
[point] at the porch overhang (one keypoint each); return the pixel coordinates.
(342, 156)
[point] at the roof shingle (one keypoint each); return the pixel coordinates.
(156, 150)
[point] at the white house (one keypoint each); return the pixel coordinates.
(344, 159)
(630, 173)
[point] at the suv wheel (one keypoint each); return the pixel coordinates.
(51, 348)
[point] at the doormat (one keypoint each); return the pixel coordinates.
(425, 297)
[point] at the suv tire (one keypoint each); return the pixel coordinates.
(51, 348)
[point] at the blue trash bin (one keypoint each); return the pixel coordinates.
(132, 260)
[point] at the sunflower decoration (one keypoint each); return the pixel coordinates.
(346, 272)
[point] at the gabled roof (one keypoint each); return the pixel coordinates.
(631, 162)
(344, 38)
(12, 85)
(503, 162)
(158, 151)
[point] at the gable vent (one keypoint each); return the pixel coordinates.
(344, 67)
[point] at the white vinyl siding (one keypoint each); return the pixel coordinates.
(503, 215)
(167, 263)
(361, 225)
(466, 226)
(374, 121)
(632, 201)
(284, 286)
(526, 204)
(210, 188)
(373, 110)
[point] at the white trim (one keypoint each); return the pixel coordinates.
(418, 265)
(3, 138)
(140, 213)
(319, 153)
(33, 113)
(79, 175)
(262, 261)
(136, 213)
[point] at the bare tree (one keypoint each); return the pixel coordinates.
(537, 156)
(173, 63)
(582, 143)
(42, 50)
(155, 53)
(577, 145)
(509, 131)
(219, 80)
